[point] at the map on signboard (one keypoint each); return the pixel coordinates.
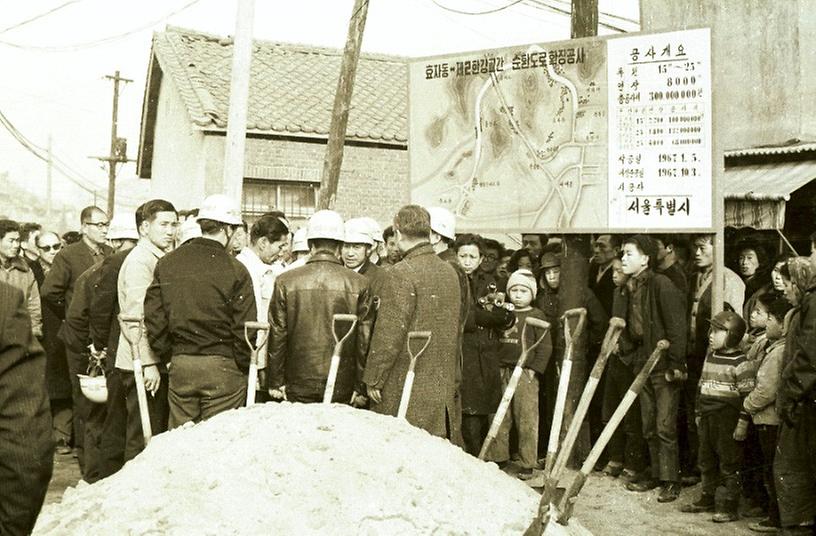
(517, 139)
(583, 135)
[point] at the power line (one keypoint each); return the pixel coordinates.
(102, 41)
(544, 6)
(606, 14)
(40, 153)
(485, 12)
(39, 16)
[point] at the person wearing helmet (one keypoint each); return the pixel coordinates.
(377, 252)
(358, 245)
(443, 233)
(194, 311)
(300, 250)
(26, 447)
(699, 310)
(301, 320)
(420, 293)
(723, 386)
(76, 336)
(653, 309)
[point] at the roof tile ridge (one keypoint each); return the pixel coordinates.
(208, 111)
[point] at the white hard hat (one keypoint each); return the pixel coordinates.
(374, 228)
(123, 227)
(188, 230)
(220, 208)
(443, 222)
(94, 388)
(299, 243)
(326, 224)
(358, 231)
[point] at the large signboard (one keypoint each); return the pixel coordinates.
(577, 136)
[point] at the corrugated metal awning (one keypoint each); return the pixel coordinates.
(755, 195)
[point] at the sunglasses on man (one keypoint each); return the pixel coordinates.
(50, 247)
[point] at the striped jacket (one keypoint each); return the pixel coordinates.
(722, 382)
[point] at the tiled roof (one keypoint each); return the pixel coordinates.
(291, 87)
(793, 146)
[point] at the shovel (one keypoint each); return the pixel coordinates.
(255, 350)
(409, 377)
(563, 383)
(338, 346)
(514, 380)
(567, 502)
(616, 326)
(126, 322)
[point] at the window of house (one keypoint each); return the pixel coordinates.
(295, 199)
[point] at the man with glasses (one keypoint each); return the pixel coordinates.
(58, 289)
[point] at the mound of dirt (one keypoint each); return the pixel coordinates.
(298, 469)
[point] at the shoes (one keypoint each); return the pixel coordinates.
(689, 480)
(503, 465)
(725, 517)
(62, 448)
(669, 492)
(643, 485)
(766, 526)
(613, 469)
(525, 474)
(628, 475)
(754, 511)
(703, 504)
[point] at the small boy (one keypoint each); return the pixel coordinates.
(760, 404)
(719, 403)
(523, 412)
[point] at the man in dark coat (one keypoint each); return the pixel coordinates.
(26, 446)
(105, 331)
(653, 309)
(420, 293)
(301, 317)
(58, 287)
(605, 249)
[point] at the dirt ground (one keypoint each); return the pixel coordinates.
(604, 507)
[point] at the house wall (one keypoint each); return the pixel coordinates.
(178, 166)
(762, 63)
(373, 180)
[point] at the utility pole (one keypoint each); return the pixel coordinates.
(48, 183)
(333, 160)
(575, 264)
(118, 146)
(233, 178)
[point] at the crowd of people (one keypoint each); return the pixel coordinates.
(731, 403)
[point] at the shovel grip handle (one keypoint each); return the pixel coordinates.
(419, 334)
(256, 325)
(344, 317)
(537, 323)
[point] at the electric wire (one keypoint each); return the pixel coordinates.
(485, 12)
(39, 16)
(102, 41)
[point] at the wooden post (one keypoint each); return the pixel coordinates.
(233, 178)
(342, 99)
(575, 264)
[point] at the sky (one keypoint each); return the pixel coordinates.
(54, 67)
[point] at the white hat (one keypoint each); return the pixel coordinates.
(358, 231)
(443, 222)
(299, 242)
(188, 230)
(374, 228)
(326, 224)
(220, 208)
(123, 227)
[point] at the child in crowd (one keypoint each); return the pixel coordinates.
(721, 390)
(523, 413)
(626, 449)
(760, 404)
